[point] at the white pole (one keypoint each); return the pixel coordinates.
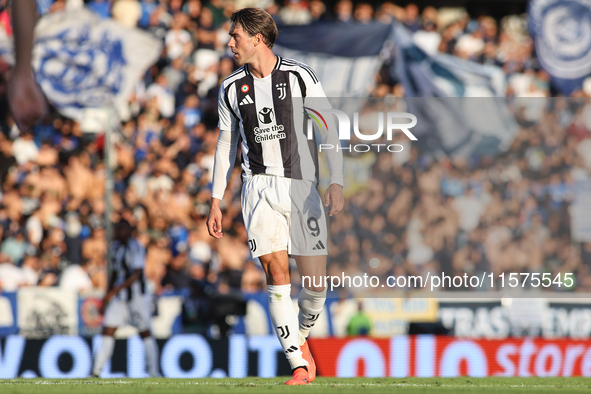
(109, 185)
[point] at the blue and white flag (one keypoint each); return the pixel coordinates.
(459, 105)
(562, 33)
(442, 75)
(82, 61)
(346, 58)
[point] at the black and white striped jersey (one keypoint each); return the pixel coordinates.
(268, 116)
(126, 258)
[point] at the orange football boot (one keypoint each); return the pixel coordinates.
(308, 357)
(300, 377)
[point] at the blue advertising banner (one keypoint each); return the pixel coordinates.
(8, 314)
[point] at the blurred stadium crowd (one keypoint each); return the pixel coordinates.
(417, 214)
(502, 214)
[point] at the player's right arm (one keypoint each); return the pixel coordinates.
(128, 282)
(225, 156)
(25, 98)
(214, 219)
(316, 99)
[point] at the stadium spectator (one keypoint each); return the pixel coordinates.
(127, 12)
(363, 13)
(318, 11)
(359, 324)
(75, 277)
(24, 149)
(412, 19)
(11, 276)
(344, 11)
(177, 275)
(295, 12)
(15, 246)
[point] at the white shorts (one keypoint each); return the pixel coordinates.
(136, 312)
(283, 214)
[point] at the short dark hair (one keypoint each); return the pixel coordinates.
(124, 224)
(254, 21)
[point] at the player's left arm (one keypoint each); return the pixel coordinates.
(316, 98)
(25, 98)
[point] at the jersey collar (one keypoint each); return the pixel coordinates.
(277, 65)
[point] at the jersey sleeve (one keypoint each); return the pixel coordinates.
(227, 119)
(225, 153)
(317, 100)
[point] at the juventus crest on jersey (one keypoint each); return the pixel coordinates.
(268, 114)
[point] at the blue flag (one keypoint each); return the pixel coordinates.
(460, 106)
(82, 61)
(347, 58)
(562, 33)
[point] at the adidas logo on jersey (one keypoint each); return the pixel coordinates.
(246, 100)
(319, 246)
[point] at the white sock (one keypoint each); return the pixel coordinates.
(311, 304)
(151, 356)
(104, 354)
(285, 322)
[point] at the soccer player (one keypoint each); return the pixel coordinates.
(25, 98)
(283, 212)
(127, 299)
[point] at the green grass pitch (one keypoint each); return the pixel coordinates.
(275, 385)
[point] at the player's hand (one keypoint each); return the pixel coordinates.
(334, 198)
(26, 100)
(214, 222)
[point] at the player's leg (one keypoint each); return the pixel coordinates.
(267, 227)
(115, 315)
(313, 294)
(282, 312)
(105, 352)
(308, 246)
(311, 302)
(140, 311)
(151, 353)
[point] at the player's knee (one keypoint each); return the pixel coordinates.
(314, 287)
(279, 279)
(277, 271)
(317, 289)
(144, 334)
(278, 276)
